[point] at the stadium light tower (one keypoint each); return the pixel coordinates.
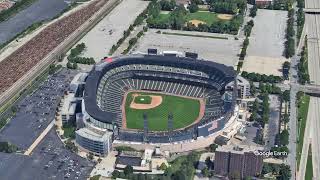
(170, 125)
(145, 127)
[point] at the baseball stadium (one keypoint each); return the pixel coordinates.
(159, 99)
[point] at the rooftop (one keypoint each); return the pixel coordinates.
(87, 133)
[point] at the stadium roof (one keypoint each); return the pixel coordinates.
(99, 70)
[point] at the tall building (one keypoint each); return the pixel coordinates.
(239, 162)
(243, 87)
(67, 108)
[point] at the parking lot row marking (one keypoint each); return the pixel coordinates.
(38, 140)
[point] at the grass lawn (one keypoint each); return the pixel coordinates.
(309, 169)
(96, 177)
(163, 17)
(185, 112)
(302, 119)
(142, 99)
(185, 164)
(69, 131)
(207, 17)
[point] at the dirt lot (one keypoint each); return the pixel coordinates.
(264, 65)
(264, 54)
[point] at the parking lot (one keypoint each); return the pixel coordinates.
(36, 111)
(273, 124)
(110, 29)
(264, 53)
(223, 51)
(50, 160)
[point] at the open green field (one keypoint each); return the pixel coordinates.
(163, 18)
(143, 100)
(302, 119)
(185, 111)
(207, 17)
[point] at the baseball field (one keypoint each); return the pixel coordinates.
(157, 107)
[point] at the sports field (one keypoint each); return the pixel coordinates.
(185, 111)
(206, 17)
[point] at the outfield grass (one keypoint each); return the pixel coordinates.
(142, 99)
(302, 119)
(207, 17)
(185, 112)
(309, 169)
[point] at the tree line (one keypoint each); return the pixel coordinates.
(256, 77)
(74, 57)
(134, 40)
(303, 66)
(281, 171)
(290, 44)
(300, 18)
(247, 32)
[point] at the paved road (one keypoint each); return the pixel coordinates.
(291, 160)
(312, 25)
(273, 124)
(313, 32)
(306, 145)
(314, 107)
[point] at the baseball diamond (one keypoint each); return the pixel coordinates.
(185, 111)
(142, 99)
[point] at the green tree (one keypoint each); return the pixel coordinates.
(90, 156)
(286, 118)
(253, 11)
(128, 170)
(163, 166)
(193, 8)
(285, 172)
(286, 95)
(284, 137)
(205, 172)
(213, 147)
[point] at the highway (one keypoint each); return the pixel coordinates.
(312, 25)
